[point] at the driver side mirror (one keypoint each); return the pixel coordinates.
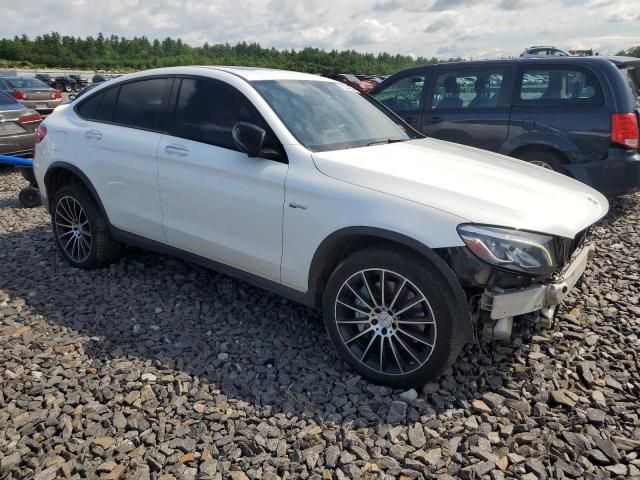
(249, 138)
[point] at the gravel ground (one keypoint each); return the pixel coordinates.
(155, 368)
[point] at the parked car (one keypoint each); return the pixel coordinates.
(544, 51)
(575, 115)
(319, 193)
(62, 83)
(99, 78)
(32, 93)
(80, 82)
(18, 126)
(350, 80)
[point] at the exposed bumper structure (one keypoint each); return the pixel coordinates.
(506, 304)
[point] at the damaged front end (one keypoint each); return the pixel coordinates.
(513, 276)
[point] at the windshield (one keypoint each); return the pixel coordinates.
(26, 83)
(6, 99)
(327, 116)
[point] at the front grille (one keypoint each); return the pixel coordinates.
(566, 247)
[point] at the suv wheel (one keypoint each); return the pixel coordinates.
(547, 160)
(80, 229)
(391, 316)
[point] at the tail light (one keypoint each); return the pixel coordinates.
(28, 119)
(41, 133)
(56, 95)
(624, 130)
(19, 95)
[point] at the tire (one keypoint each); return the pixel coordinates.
(58, 87)
(77, 87)
(68, 88)
(406, 359)
(75, 213)
(548, 160)
(30, 197)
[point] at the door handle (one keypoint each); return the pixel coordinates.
(178, 150)
(435, 120)
(93, 134)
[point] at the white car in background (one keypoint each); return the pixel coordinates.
(543, 51)
(310, 189)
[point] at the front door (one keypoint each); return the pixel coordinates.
(405, 96)
(218, 202)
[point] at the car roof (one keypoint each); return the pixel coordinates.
(616, 60)
(249, 74)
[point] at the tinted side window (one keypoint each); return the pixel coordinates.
(141, 103)
(104, 112)
(87, 108)
(549, 86)
(473, 88)
(403, 94)
(207, 110)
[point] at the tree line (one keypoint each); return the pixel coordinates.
(631, 52)
(114, 53)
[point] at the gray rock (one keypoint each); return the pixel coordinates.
(397, 412)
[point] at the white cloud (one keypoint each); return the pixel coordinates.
(466, 28)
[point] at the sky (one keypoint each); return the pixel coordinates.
(442, 28)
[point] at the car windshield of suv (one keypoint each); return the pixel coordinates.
(327, 116)
(26, 83)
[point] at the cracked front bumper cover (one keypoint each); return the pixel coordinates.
(519, 301)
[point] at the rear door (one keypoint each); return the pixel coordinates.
(405, 96)
(116, 147)
(561, 105)
(470, 105)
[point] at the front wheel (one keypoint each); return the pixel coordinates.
(80, 229)
(392, 316)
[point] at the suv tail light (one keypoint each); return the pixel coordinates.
(41, 133)
(624, 130)
(56, 95)
(19, 95)
(32, 118)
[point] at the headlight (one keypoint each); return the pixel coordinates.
(525, 252)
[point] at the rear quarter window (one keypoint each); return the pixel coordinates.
(558, 86)
(632, 76)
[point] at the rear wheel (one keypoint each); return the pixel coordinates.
(80, 229)
(391, 316)
(77, 87)
(547, 160)
(68, 88)
(58, 86)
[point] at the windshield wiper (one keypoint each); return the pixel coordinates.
(388, 140)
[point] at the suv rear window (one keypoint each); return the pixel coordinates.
(141, 102)
(559, 86)
(633, 77)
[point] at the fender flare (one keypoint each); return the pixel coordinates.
(331, 243)
(83, 178)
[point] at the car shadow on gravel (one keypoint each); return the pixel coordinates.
(184, 320)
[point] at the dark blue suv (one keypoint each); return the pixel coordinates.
(576, 115)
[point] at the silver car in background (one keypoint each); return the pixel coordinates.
(32, 93)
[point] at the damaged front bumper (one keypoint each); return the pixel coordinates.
(504, 304)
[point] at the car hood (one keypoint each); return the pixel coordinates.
(475, 185)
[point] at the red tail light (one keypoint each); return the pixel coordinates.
(19, 95)
(33, 118)
(41, 133)
(624, 130)
(56, 95)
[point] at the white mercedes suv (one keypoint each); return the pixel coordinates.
(310, 189)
